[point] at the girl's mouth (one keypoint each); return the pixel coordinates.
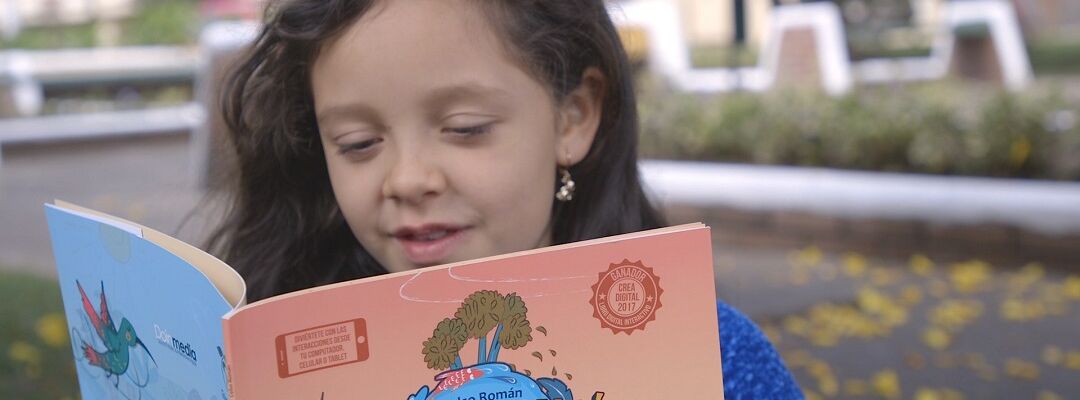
(430, 244)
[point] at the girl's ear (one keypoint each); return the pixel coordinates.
(580, 114)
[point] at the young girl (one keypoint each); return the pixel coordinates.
(377, 136)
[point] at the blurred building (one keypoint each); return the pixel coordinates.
(1049, 18)
(229, 9)
(896, 23)
(724, 22)
(901, 23)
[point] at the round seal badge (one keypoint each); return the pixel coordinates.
(626, 297)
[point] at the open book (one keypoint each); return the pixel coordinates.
(625, 317)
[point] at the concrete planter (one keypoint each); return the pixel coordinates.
(852, 209)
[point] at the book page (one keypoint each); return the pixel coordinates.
(143, 323)
(628, 317)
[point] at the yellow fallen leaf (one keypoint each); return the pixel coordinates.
(936, 338)
(886, 384)
(1021, 369)
(1072, 360)
(1048, 395)
(884, 276)
(870, 300)
(854, 265)
(824, 339)
(1012, 309)
(1072, 287)
(796, 325)
(888, 312)
(970, 276)
(819, 370)
(921, 265)
(831, 321)
(894, 316)
(1028, 275)
(809, 256)
(24, 353)
(52, 330)
(1034, 310)
(954, 314)
(828, 386)
(927, 394)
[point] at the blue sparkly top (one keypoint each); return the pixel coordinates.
(752, 367)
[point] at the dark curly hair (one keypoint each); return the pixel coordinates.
(283, 230)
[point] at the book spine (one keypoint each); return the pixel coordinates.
(231, 384)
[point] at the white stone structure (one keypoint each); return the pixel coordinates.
(669, 53)
(823, 21)
(1005, 35)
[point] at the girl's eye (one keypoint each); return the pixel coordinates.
(358, 147)
(469, 130)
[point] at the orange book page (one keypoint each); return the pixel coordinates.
(629, 318)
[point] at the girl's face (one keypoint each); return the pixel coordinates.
(440, 147)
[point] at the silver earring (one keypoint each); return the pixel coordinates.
(566, 191)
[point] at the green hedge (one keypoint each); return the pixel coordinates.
(1055, 56)
(35, 348)
(938, 129)
(157, 22)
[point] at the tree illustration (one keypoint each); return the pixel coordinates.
(479, 314)
(514, 330)
(441, 349)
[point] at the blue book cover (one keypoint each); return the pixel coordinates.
(144, 323)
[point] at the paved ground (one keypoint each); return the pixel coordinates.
(873, 324)
(855, 325)
(147, 181)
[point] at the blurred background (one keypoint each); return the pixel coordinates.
(893, 185)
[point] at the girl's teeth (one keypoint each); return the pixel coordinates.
(432, 235)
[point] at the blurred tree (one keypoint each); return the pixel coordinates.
(163, 22)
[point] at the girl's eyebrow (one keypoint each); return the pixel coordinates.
(443, 96)
(338, 111)
(436, 100)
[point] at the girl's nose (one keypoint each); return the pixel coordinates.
(413, 178)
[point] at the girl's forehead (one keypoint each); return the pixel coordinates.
(417, 26)
(403, 48)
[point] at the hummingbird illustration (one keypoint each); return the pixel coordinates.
(116, 357)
